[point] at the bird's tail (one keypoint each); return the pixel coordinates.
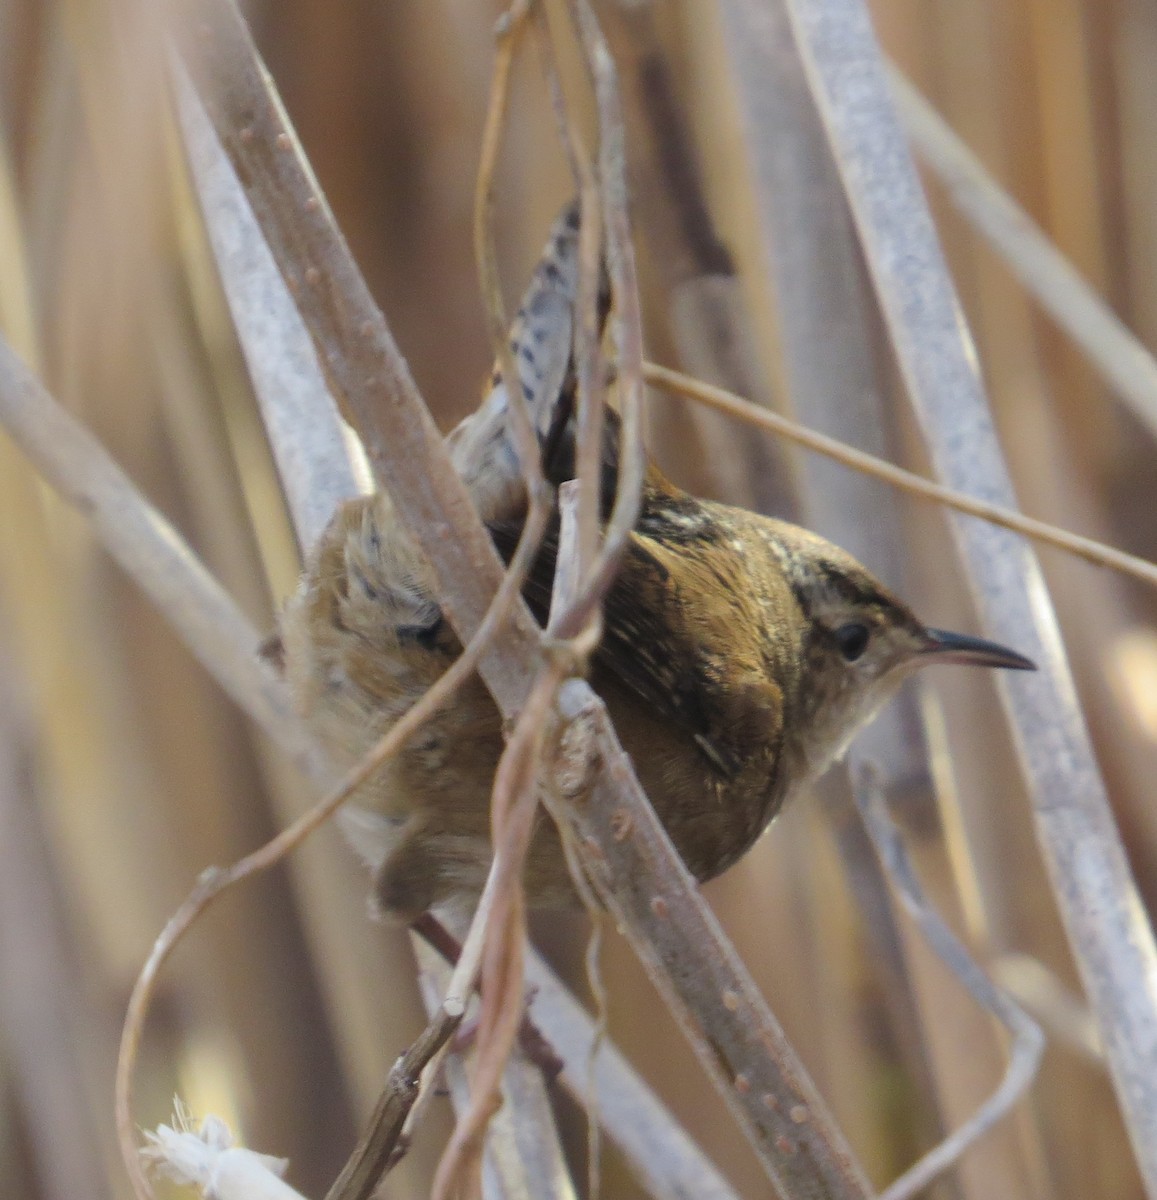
(541, 343)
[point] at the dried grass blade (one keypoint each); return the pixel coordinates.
(665, 1160)
(315, 455)
(1111, 346)
(149, 550)
(1002, 515)
(1027, 1039)
(825, 310)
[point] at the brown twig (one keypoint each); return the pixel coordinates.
(590, 376)
(381, 1144)
(565, 588)
(626, 330)
(530, 1038)
(508, 34)
(376, 1151)
(1092, 551)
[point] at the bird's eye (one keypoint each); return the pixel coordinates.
(852, 640)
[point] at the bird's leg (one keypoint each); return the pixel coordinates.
(533, 1041)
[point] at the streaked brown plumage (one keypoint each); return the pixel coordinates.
(740, 653)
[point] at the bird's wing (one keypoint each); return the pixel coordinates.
(645, 643)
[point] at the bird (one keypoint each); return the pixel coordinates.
(739, 654)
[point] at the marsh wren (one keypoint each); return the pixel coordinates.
(739, 654)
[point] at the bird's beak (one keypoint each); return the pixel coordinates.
(943, 646)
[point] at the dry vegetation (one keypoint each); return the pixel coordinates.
(125, 769)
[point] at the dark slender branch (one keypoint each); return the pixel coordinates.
(378, 1149)
(534, 1045)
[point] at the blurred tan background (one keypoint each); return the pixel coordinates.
(124, 771)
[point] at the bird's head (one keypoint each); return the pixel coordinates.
(856, 643)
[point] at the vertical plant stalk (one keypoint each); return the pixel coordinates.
(1111, 939)
(835, 383)
(626, 330)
